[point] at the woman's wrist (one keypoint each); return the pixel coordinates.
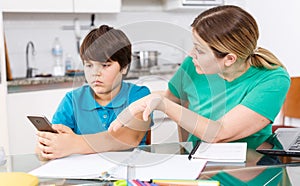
(162, 105)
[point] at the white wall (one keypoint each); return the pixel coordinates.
(167, 32)
(279, 26)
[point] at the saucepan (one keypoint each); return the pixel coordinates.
(144, 59)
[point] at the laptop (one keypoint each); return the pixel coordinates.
(284, 142)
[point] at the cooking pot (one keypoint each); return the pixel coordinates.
(144, 59)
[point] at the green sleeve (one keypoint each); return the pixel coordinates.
(268, 96)
(179, 80)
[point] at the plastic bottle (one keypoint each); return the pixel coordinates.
(68, 63)
(57, 53)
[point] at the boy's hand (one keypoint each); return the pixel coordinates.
(57, 145)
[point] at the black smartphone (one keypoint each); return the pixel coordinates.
(41, 123)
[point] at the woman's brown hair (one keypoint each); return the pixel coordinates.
(230, 29)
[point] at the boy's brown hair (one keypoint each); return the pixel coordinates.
(105, 44)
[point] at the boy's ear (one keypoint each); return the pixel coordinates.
(125, 70)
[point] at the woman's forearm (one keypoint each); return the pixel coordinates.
(194, 123)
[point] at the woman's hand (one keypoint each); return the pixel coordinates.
(57, 145)
(144, 106)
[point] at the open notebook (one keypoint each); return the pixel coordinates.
(220, 152)
(145, 165)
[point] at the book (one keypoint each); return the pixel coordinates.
(234, 152)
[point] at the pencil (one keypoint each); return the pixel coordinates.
(186, 182)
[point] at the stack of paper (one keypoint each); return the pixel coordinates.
(145, 165)
(221, 152)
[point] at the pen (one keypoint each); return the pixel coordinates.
(194, 149)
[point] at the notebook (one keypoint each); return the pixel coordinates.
(284, 142)
(220, 152)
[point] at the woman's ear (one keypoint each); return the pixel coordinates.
(230, 59)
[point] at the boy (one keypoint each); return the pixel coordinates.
(86, 112)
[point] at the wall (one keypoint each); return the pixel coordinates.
(146, 30)
(279, 29)
(278, 26)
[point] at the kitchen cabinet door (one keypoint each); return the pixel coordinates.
(97, 6)
(37, 6)
(21, 133)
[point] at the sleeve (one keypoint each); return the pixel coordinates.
(64, 114)
(138, 92)
(177, 82)
(268, 96)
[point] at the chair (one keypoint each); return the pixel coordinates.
(290, 109)
(291, 106)
(148, 137)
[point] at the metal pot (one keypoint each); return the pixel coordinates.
(144, 59)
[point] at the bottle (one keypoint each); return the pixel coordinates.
(68, 63)
(57, 53)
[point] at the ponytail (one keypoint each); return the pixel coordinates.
(263, 58)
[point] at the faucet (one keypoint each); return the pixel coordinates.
(29, 69)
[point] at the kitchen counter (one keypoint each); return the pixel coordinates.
(57, 82)
(43, 83)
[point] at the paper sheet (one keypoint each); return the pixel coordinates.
(146, 166)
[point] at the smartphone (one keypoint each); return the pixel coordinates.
(41, 123)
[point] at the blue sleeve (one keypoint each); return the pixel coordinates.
(137, 92)
(64, 113)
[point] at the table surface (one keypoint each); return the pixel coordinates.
(258, 170)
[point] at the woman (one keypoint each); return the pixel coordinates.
(233, 89)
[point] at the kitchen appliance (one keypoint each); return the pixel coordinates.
(144, 59)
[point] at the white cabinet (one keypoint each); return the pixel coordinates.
(21, 133)
(103, 6)
(37, 6)
(61, 6)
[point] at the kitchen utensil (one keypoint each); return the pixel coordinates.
(77, 33)
(8, 69)
(144, 59)
(92, 22)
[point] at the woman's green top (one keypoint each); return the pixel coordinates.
(259, 89)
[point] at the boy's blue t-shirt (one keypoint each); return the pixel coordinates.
(80, 111)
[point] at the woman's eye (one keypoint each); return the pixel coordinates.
(198, 50)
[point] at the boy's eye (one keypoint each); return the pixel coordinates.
(88, 65)
(105, 64)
